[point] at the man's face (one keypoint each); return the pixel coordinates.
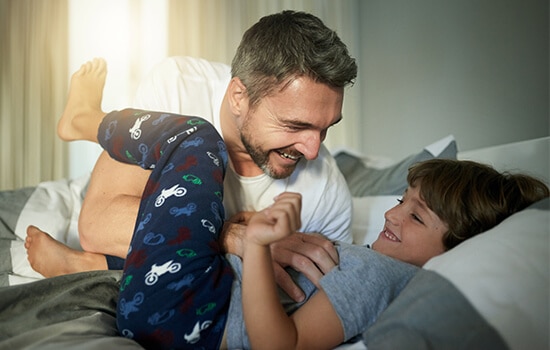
(290, 124)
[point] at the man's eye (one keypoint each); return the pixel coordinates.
(295, 127)
(400, 200)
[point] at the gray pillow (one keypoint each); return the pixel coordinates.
(365, 181)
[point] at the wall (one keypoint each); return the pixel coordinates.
(478, 69)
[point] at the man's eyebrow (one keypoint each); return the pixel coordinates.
(302, 124)
(296, 122)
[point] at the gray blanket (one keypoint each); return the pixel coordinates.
(11, 204)
(72, 311)
(78, 311)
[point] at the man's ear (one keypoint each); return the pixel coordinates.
(238, 97)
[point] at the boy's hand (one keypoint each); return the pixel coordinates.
(279, 220)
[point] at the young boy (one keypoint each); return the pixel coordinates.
(447, 202)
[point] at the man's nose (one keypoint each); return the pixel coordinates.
(310, 145)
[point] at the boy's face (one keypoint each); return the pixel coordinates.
(412, 233)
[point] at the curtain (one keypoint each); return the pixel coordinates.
(212, 29)
(33, 88)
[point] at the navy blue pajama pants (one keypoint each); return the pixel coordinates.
(176, 285)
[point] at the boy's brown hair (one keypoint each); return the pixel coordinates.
(472, 197)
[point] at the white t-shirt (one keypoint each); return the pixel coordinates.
(192, 86)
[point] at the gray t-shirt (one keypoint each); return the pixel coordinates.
(359, 288)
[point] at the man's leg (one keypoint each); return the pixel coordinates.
(80, 121)
(50, 257)
(110, 207)
(83, 114)
(109, 210)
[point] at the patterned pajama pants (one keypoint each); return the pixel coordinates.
(176, 285)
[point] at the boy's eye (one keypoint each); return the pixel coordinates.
(417, 218)
(414, 216)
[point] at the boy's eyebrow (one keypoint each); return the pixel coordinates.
(421, 204)
(417, 201)
(424, 207)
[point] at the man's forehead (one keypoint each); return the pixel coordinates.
(301, 105)
(300, 117)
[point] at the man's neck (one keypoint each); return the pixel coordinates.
(241, 161)
(243, 164)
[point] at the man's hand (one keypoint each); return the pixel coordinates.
(311, 254)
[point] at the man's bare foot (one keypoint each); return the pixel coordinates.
(52, 258)
(83, 114)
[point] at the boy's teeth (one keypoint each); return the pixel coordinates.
(391, 236)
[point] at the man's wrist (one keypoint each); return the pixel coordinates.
(231, 238)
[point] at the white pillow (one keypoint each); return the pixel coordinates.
(531, 156)
(368, 217)
(504, 273)
(53, 207)
(365, 181)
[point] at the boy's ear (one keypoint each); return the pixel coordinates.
(238, 97)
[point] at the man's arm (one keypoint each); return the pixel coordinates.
(312, 254)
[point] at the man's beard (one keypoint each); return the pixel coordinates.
(261, 159)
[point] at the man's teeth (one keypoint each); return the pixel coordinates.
(288, 156)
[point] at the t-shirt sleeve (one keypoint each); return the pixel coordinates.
(363, 285)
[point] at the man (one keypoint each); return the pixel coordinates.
(285, 91)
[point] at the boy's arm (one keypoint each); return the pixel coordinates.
(267, 323)
(264, 316)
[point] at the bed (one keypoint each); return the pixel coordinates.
(489, 292)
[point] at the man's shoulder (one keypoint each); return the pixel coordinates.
(194, 65)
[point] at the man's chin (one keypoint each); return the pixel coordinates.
(278, 173)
